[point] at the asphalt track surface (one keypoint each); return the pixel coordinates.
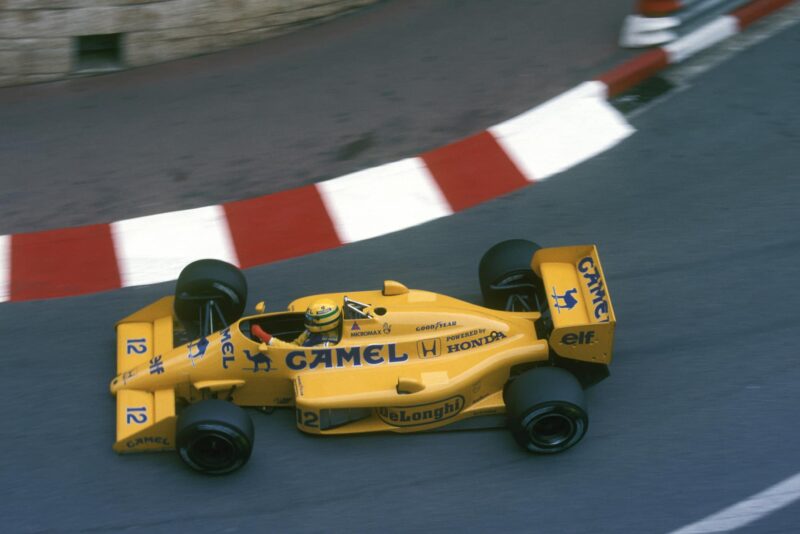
(696, 220)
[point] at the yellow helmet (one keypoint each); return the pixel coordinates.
(323, 315)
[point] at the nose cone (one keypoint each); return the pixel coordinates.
(124, 380)
(114, 386)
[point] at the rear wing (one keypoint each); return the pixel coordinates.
(580, 305)
(145, 419)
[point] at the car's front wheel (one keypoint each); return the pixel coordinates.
(546, 410)
(214, 437)
(210, 280)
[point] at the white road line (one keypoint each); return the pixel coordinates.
(5, 267)
(383, 199)
(155, 248)
(562, 132)
(749, 510)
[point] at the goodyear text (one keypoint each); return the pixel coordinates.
(436, 326)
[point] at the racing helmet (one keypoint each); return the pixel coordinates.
(322, 316)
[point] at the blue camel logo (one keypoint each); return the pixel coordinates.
(566, 301)
(197, 350)
(258, 358)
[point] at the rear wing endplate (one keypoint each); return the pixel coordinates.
(580, 305)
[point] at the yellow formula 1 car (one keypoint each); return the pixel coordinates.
(406, 360)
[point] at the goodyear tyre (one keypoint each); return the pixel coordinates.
(507, 281)
(214, 437)
(205, 280)
(546, 410)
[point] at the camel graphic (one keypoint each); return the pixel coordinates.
(257, 359)
(566, 301)
(197, 350)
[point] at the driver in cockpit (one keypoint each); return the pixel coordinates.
(322, 321)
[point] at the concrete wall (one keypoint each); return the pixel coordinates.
(38, 37)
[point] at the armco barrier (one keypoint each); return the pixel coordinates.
(663, 21)
(44, 40)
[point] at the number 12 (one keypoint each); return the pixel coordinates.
(136, 415)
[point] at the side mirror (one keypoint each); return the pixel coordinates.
(261, 307)
(392, 287)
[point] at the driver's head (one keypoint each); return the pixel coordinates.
(322, 316)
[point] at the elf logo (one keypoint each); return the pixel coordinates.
(579, 338)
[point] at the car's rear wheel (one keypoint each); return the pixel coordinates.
(209, 280)
(546, 410)
(214, 437)
(507, 281)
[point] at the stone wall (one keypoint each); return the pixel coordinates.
(39, 39)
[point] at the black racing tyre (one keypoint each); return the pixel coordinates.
(214, 437)
(506, 277)
(546, 410)
(203, 280)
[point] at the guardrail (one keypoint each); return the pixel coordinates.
(662, 21)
